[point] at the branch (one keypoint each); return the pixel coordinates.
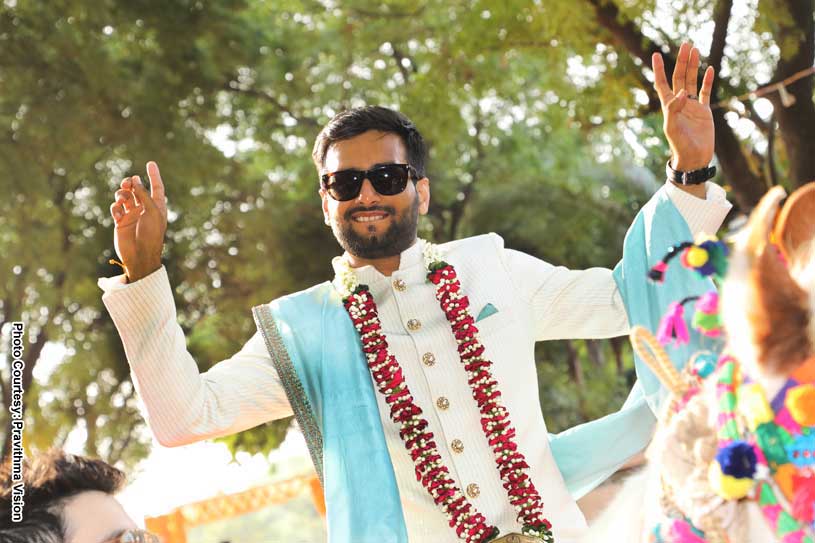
(629, 37)
(753, 115)
(266, 97)
(116, 452)
(457, 208)
(721, 19)
(749, 186)
(388, 14)
(772, 173)
(398, 55)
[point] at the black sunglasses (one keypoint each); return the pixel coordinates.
(387, 180)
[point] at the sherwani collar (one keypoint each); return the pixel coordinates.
(411, 270)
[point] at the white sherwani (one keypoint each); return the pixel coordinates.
(540, 302)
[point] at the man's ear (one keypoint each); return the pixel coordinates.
(324, 197)
(423, 190)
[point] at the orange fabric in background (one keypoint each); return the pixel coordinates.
(172, 527)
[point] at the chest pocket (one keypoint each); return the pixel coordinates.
(493, 318)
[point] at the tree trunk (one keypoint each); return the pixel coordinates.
(595, 350)
(796, 122)
(30, 357)
(575, 366)
(748, 186)
(617, 347)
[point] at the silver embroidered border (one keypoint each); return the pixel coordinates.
(264, 320)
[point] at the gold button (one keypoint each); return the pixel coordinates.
(442, 403)
(428, 359)
(400, 285)
(473, 491)
(414, 324)
(458, 446)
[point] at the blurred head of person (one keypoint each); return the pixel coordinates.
(67, 499)
(375, 215)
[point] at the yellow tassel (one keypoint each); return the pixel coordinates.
(726, 486)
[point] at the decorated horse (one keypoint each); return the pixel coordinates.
(733, 457)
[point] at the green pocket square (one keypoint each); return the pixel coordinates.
(488, 310)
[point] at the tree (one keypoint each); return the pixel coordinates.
(541, 119)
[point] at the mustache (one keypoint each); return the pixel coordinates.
(387, 209)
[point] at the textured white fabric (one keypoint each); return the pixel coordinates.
(535, 301)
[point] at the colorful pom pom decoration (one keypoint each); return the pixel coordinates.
(708, 257)
(731, 473)
(706, 320)
(800, 401)
(703, 364)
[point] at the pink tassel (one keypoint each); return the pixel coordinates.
(681, 532)
(708, 303)
(672, 327)
(657, 272)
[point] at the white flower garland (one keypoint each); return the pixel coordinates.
(346, 278)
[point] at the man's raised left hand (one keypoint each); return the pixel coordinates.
(688, 122)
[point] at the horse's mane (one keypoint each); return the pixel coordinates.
(767, 297)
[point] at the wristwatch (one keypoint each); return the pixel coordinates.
(693, 177)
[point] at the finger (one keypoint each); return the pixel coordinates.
(692, 73)
(117, 211)
(676, 105)
(707, 86)
(660, 81)
(125, 197)
(156, 183)
(681, 67)
(142, 196)
(127, 183)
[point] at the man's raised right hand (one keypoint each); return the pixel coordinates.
(140, 223)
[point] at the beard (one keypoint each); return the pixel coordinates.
(399, 236)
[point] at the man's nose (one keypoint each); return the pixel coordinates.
(367, 193)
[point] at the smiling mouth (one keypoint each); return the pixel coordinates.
(369, 217)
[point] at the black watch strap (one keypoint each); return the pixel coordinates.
(694, 177)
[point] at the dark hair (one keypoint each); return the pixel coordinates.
(354, 122)
(49, 480)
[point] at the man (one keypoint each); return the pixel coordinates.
(68, 499)
(478, 462)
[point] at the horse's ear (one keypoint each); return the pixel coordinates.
(794, 230)
(765, 309)
(752, 241)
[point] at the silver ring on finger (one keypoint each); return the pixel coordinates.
(693, 97)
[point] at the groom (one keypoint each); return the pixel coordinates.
(421, 428)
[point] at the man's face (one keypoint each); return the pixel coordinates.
(94, 517)
(372, 225)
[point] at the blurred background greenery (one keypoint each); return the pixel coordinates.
(542, 123)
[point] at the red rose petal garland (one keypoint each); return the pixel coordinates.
(469, 524)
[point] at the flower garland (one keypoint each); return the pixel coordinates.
(469, 524)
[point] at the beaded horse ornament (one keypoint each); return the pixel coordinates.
(733, 458)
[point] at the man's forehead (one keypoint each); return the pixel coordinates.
(94, 516)
(365, 151)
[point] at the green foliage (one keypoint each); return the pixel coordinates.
(520, 101)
